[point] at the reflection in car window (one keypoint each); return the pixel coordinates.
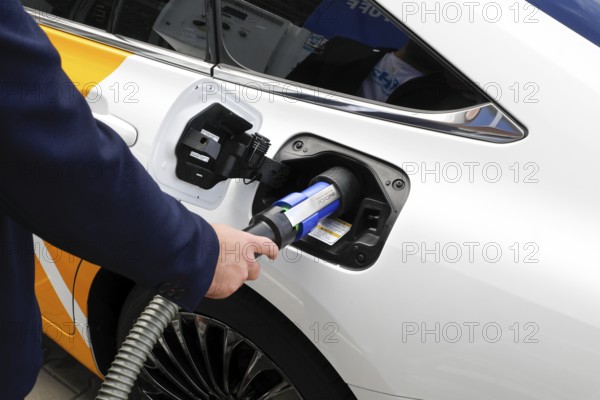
(582, 16)
(179, 25)
(94, 13)
(347, 46)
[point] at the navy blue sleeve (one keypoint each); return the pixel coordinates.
(72, 181)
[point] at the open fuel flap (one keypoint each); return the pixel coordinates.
(331, 201)
(355, 238)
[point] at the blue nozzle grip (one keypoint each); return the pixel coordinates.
(293, 199)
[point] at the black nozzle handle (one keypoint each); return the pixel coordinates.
(261, 228)
(272, 224)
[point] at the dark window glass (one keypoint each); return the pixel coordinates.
(95, 13)
(179, 25)
(348, 46)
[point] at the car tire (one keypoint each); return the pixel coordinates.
(266, 352)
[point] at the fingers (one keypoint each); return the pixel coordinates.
(258, 245)
(263, 245)
(237, 260)
(253, 271)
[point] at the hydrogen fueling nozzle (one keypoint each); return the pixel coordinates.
(293, 217)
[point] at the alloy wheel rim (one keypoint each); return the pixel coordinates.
(198, 357)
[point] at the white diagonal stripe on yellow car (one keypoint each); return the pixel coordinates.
(61, 288)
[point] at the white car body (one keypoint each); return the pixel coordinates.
(487, 287)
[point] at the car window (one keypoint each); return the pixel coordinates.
(94, 13)
(179, 25)
(347, 46)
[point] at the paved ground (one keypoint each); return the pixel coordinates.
(63, 378)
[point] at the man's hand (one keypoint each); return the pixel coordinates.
(237, 263)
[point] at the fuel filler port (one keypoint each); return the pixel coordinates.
(360, 196)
